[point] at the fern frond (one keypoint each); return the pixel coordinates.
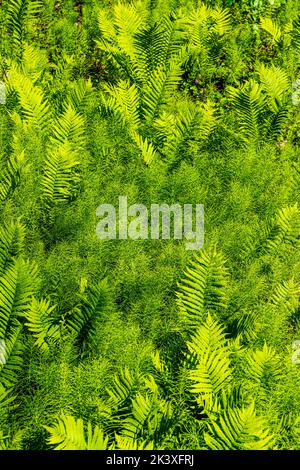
(239, 429)
(69, 127)
(160, 87)
(268, 25)
(12, 237)
(60, 179)
(150, 418)
(285, 228)
(275, 82)
(34, 62)
(261, 363)
(129, 20)
(209, 358)
(210, 377)
(123, 100)
(11, 175)
(19, 13)
(203, 288)
(123, 388)
(147, 148)
(250, 105)
(69, 434)
(86, 317)
(12, 359)
(41, 323)
(36, 109)
(80, 93)
(286, 296)
(210, 336)
(221, 20)
(17, 286)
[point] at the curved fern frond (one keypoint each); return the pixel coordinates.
(263, 364)
(275, 82)
(40, 322)
(221, 21)
(34, 62)
(12, 174)
(239, 429)
(268, 25)
(208, 362)
(147, 148)
(123, 388)
(210, 336)
(128, 20)
(70, 434)
(286, 296)
(209, 355)
(149, 420)
(285, 229)
(80, 94)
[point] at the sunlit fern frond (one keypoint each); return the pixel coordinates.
(146, 147)
(198, 25)
(17, 286)
(208, 121)
(129, 20)
(239, 429)
(261, 364)
(123, 101)
(221, 20)
(275, 82)
(210, 336)
(209, 362)
(34, 62)
(11, 175)
(36, 110)
(41, 323)
(123, 388)
(150, 419)
(286, 296)
(271, 27)
(285, 229)
(79, 95)
(69, 127)
(69, 433)
(159, 89)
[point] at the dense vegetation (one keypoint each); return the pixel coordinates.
(125, 344)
